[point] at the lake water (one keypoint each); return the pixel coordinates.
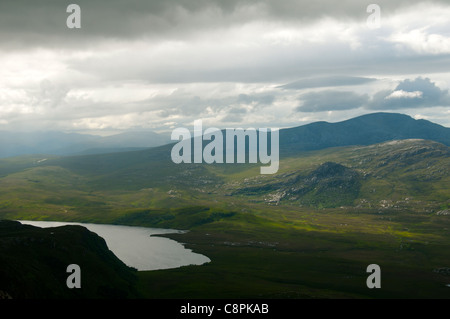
(136, 246)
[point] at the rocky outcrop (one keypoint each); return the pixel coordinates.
(4, 295)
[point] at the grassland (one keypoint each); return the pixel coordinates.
(305, 232)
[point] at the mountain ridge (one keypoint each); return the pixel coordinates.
(362, 130)
(66, 144)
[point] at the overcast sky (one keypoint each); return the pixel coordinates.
(157, 65)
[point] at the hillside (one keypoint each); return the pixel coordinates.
(307, 231)
(34, 262)
(362, 176)
(411, 174)
(330, 184)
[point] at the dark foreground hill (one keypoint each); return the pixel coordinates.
(34, 262)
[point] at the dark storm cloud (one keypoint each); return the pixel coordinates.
(331, 100)
(42, 23)
(129, 56)
(411, 94)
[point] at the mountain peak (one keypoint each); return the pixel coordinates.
(362, 130)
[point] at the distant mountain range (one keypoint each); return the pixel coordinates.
(424, 141)
(59, 143)
(363, 130)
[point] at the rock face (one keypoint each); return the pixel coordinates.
(4, 295)
(34, 263)
(443, 212)
(443, 271)
(329, 185)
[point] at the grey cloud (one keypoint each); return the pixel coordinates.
(258, 99)
(194, 105)
(196, 25)
(180, 103)
(331, 100)
(417, 93)
(24, 23)
(176, 105)
(326, 82)
(51, 94)
(431, 96)
(256, 65)
(237, 110)
(233, 118)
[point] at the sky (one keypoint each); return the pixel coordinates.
(158, 65)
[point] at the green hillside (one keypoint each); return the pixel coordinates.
(410, 174)
(307, 231)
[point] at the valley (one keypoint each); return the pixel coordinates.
(308, 231)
